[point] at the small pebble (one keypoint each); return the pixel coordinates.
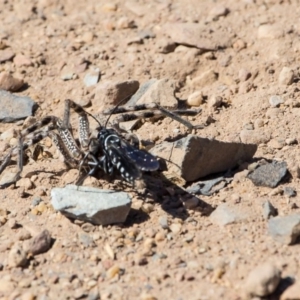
(149, 243)
(91, 78)
(87, 227)
(109, 7)
(195, 99)
(147, 296)
(6, 55)
(291, 141)
(286, 76)
(10, 83)
(163, 222)
(263, 280)
(191, 203)
(109, 251)
(244, 74)
(289, 191)
(28, 296)
(23, 234)
(175, 228)
(147, 208)
(125, 23)
(21, 60)
(160, 236)
(269, 210)
(40, 243)
(258, 123)
(36, 201)
(17, 257)
(239, 45)
(12, 224)
(275, 101)
(112, 272)
(215, 101)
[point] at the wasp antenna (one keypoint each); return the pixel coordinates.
(93, 118)
(118, 104)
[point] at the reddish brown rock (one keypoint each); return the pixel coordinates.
(10, 83)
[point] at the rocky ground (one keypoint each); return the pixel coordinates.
(238, 62)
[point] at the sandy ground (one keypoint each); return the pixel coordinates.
(193, 258)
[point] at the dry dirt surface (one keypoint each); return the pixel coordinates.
(236, 55)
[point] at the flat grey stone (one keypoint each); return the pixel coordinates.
(14, 108)
(208, 187)
(141, 91)
(159, 91)
(194, 157)
(100, 207)
(285, 229)
(91, 78)
(289, 191)
(224, 215)
(269, 175)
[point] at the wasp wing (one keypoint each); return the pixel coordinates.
(143, 160)
(127, 167)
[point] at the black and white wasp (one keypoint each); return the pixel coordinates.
(109, 151)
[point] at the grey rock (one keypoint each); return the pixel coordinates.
(208, 187)
(289, 191)
(141, 91)
(93, 295)
(91, 78)
(36, 201)
(13, 108)
(160, 91)
(275, 101)
(191, 202)
(263, 280)
(285, 229)
(269, 210)
(146, 34)
(194, 157)
(68, 75)
(8, 177)
(269, 175)
(101, 207)
(86, 240)
(163, 222)
(224, 215)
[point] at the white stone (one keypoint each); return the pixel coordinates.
(101, 207)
